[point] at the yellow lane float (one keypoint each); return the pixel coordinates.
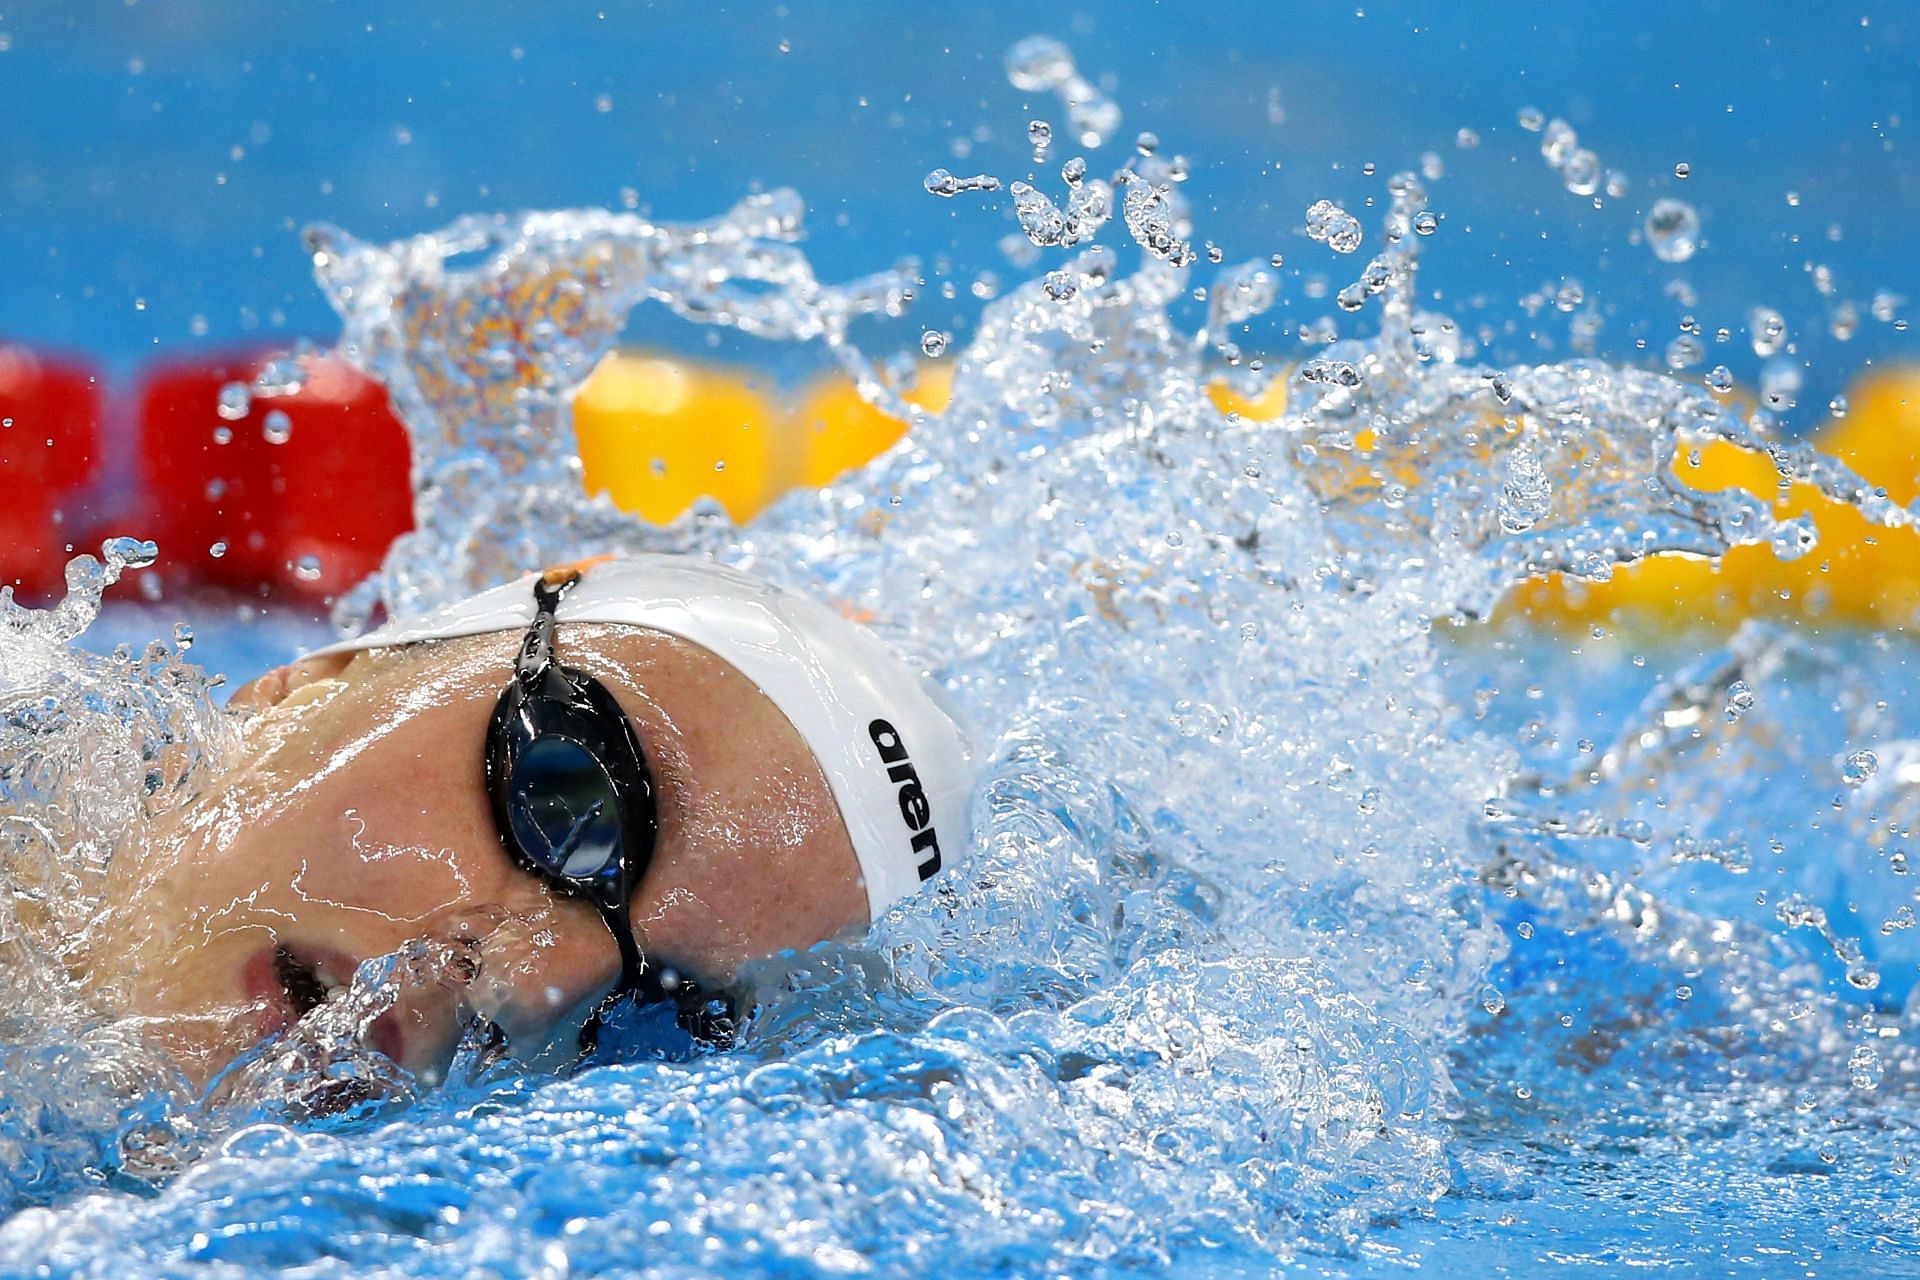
(1858, 574)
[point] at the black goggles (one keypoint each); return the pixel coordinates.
(573, 801)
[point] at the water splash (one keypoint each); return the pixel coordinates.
(1225, 941)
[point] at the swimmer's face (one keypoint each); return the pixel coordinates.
(358, 823)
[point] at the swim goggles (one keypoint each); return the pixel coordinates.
(573, 800)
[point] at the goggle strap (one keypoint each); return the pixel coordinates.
(536, 651)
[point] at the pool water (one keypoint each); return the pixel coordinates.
(1307, 925)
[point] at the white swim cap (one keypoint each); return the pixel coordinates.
(900, 769)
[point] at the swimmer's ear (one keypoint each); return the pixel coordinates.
(272, 688)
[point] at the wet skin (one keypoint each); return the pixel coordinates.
(356, 822)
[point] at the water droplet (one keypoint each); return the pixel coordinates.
(307, 568)
(941, 183)
(1333, 226)
(1466, 139)
(276, 427)
(1740, 700)
(1532, 119)
(1719, 379)
(1074, 171)
(235, 401)
(1147, 143)
(129, 553)
(217, 550)
(1039, 133)
(1768, 328)
(1859, 767)
(1039, 217)
(933, 344)
(1061, 285)
(1685, 351)
(1683, 170)
(1524, 929)
(1837, 406)
(1582, 172)
(223, 434)
(1334, 373)
(1369, 800)
(1039, 63)
(1863, 1068)
(283, 375)
(1683, 992)
(1673, 230)
(1492, 999)
(1794, 538)
(1426, 222)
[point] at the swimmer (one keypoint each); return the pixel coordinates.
(609, 784)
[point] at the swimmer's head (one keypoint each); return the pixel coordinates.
(803, 778)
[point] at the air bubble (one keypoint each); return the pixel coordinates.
(1040, 134)
(1719, 379)
(1492, 999)
(1426, 223)
(307, 568)
(1532, 119)
(276, 427)
(933, 344)
(1061, 285)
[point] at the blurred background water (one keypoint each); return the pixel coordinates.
(159, 158)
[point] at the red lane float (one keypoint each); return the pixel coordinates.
(297, 493)
(50, 416)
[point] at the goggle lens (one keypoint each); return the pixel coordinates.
(564, 810)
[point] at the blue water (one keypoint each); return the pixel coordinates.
(1160, 1026)
(131, 225)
